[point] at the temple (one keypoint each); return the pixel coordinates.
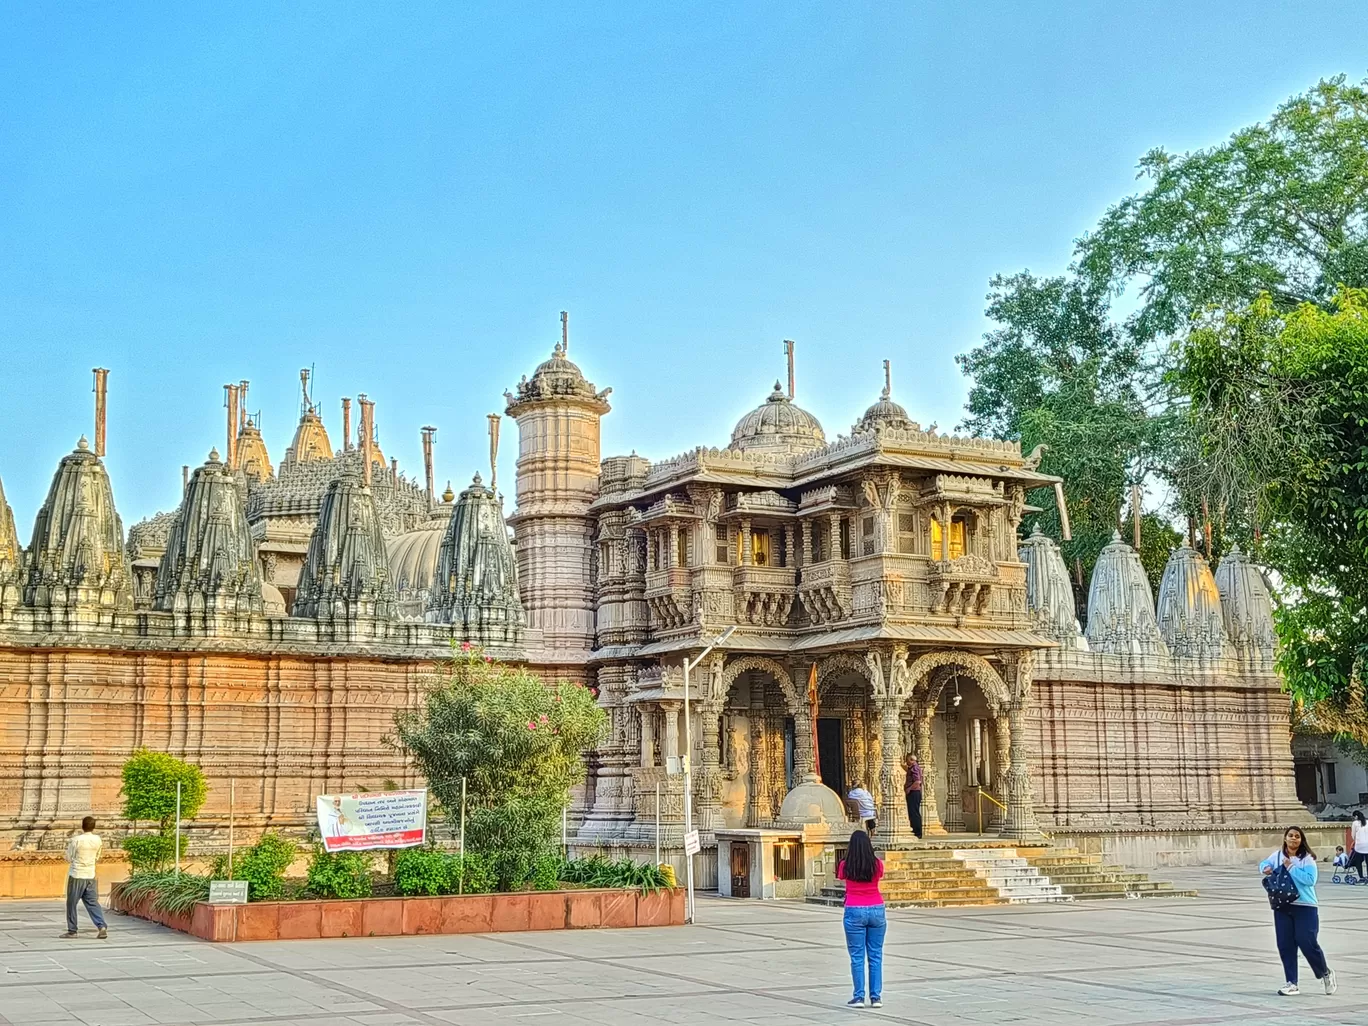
(890, 591)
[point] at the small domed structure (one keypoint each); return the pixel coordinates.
(1121, 605)
(1246, 608)
(76, 559)
(556, 379)
(885, 414)
(10, 556)
(1049, 594)
(777, 426)
(476, 584)
(310, 440)
(812, 803)
(413, 559)
(346, 574)
(253, 459)
(1190, 607)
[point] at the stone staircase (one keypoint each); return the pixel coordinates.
(999, 874)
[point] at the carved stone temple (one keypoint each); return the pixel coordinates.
(889, 592)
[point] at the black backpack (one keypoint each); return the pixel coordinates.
(1281, 888)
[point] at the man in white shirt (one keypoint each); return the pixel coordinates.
(864, 805)
(82, 852)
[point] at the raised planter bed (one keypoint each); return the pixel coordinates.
(393, 917)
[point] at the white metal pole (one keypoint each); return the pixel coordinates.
(565, 831)
(688, 794)
(232, 798)
(178, 808)
(657, 822)
(460, 882)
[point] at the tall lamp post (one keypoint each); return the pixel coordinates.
(688, 765)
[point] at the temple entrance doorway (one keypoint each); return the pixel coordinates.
(831, 753)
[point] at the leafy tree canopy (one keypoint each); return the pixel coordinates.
(149, 787)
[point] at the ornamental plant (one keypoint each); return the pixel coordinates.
(343, 874)
(149, 788)
(518, 741)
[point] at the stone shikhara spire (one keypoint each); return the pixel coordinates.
(76, 566)
(1190, 608)
(346, 574)
(1049, 595)
(1246, 608)
(476, 584)
(11, 556)
(1121, 605)
(210, 562)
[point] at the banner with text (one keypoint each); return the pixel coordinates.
(379, 819)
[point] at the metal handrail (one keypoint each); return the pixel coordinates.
(981, 794)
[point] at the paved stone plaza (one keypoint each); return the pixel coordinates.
(1178, 961)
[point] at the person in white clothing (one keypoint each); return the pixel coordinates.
(83, 851)
(1358, 852)
(864, 804)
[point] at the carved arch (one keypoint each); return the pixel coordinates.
(735, 667)
(843, 662)
(973, 666)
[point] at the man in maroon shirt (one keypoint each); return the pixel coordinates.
(912, 788)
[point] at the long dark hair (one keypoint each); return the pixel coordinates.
(859, 860)
(1359, 816)
(1303, 850)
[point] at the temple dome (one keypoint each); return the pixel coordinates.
(253, 459)
(812, 803)
(885, 414)
(413, 560)
(556, 378)
(346, 573)
(76, 557)
(310, 440)
(778, 425)
(1246, 608)
(476, 583)
(210, 561)
(1121, 604)
(1049, 593)
(1190, 607)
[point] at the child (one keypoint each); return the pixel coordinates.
(1341, 859)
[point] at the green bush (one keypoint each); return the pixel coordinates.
(546, 872)
(149, 788)
(151, 852)
(599, 871)
(262, 865)
(169, 892)
(343, 874)
(431, 872)
(518, 741)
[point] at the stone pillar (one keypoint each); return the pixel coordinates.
(806, 529)
(672, 557)
(746, 550)
(954, 776)
(1019, 822)
(759, 766)
(671, 711)
(803, 766)
(647, 736)
(893, 824)
(790, 557)
(1002, 739)
(834, 536)
(931, 822)
(709, 795)
(945, 532)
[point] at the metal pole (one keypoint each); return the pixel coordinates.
(460, 883)
(565, 831)
(688, 797)
(232, 797)
(178, 808)
(657, 822)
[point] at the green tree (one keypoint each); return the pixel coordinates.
(149, 788)
(519, 743)
(1279, 406)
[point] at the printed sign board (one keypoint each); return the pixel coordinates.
(227, 892)
(378, 819)
(691, 845)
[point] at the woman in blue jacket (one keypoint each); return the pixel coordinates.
(1297, 925)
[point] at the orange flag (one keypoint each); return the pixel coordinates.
(812, 706)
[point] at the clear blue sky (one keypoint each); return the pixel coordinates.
(407, 195)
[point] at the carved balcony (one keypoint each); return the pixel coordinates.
(669, 596)
(825, 591)
(764, 594)
(963, 586)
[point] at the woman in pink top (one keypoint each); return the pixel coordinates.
(865, 923)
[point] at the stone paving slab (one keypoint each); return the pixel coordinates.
(1165, 962)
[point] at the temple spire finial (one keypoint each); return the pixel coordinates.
(101, 391)
(888, 381)
(788, 350)
(565, 332)
(494, 453)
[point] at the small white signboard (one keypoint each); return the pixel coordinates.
(672, 765)
(227, 892)
(691, 845)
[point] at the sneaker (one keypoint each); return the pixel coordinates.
(855, 1003)
(1331, 984)
(68, 935)
(876, 1002)
(1289, 990)
(102, 934)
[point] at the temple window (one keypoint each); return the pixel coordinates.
(845, 538)
(956, 537)
(907, 533)
(866, 536)
(821, 543)
(682, 553)
(760, 547)
(723, 553)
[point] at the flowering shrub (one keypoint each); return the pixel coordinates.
(517, 740)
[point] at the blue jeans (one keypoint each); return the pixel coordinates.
(1297, 926)
(865, 926)
(83, 892)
